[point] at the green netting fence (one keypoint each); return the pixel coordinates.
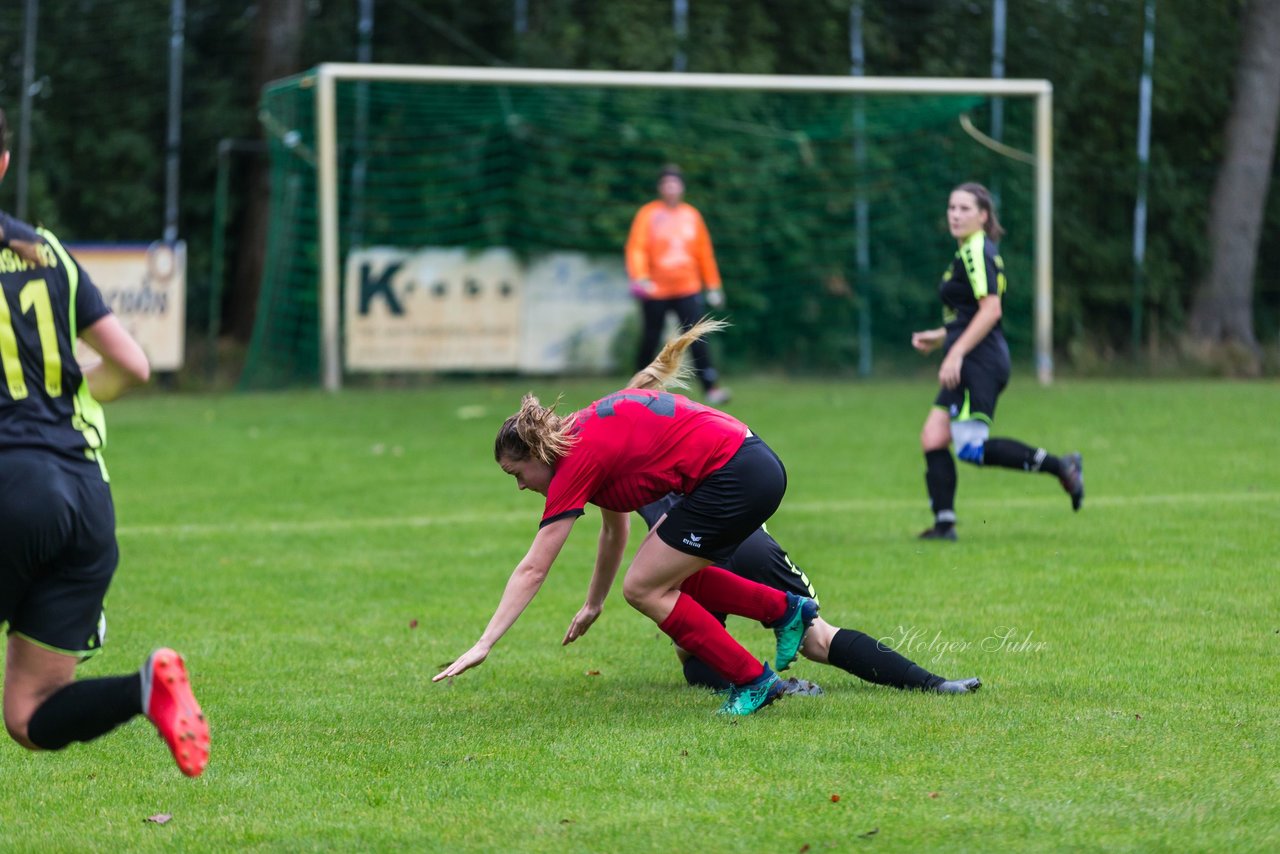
(779, 177)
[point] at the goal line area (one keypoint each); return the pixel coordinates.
(429, 219)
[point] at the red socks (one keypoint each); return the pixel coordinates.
(723, 592)
(693, 628)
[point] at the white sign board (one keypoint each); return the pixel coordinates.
(146, 287)
(574, 308)
(441, 309)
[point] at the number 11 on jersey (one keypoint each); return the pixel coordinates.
(34, 295)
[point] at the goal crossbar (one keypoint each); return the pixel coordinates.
(326, 76)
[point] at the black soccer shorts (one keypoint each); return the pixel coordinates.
(57, 550)
(712, 520)
(983, 376)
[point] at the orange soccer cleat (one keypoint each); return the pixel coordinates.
(169, 703)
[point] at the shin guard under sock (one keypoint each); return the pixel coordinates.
(1012, 454)
(84, 710)
(868, 659)
(697, 632)
(723, 592)
(940, 478)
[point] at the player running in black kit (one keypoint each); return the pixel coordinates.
(975, 368)
(57, 523)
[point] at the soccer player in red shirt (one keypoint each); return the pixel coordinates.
(620, 453)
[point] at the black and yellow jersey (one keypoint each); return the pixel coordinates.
(45, 402)
(976, 271)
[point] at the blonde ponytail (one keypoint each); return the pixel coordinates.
(668, 370)
(535, 432)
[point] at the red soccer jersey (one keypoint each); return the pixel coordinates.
(635, 446)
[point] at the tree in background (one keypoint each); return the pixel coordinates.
(277, 52)
(98, 123)
(1221, 324)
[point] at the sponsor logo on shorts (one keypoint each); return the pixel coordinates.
(694, 540)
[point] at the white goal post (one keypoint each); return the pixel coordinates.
(328, 74)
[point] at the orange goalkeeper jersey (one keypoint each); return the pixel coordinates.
(671, 248)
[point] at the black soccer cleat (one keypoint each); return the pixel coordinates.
(959, 686)
(939, 532)
(1071, 476)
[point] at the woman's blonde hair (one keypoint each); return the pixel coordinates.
(537, 433)
(533, 433)
(668, 369)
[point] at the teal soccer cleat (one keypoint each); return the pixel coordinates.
(791, 628)
(755, 695)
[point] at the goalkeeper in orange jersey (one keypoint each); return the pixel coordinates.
(672, 268)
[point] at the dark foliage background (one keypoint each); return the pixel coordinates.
(98, 126)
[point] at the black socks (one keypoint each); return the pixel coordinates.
(868, 659)
(851, 651)
(940, 478)
(84, 710)
(1012, 454)
(698, 674)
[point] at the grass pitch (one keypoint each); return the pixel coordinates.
(318, 558)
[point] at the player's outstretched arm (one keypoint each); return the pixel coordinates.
(122, 364)
(523, 585)
(614, 530)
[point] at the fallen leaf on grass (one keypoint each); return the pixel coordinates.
(593, 673)
(804, 848)
(933, 794)
(1137, 717)
(870, 833)
(413, 624)
(159, 818)
(835, 799)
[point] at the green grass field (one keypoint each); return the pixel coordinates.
(287, 543)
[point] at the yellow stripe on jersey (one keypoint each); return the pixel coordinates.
(89, 418)
(973, 256)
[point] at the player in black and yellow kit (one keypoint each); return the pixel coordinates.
(57, 523)
(975, 368)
